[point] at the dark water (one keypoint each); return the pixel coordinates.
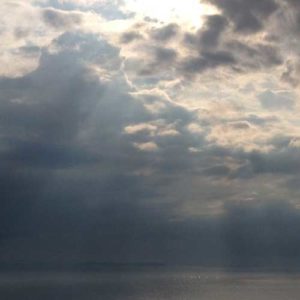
(149, 284)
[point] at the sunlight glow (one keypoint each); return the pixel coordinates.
(186, 12)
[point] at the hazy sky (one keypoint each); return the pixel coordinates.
(142, 130)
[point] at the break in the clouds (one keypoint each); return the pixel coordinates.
(135, 134)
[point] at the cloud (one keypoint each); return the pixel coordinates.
(130, 36)
(133, 129)
(250, 245)
(247, 17)
(208, 61)
(221, 170)
(256, 56)
(132, 140)
(290, 74)
(213, 30)
(63, 125)
(164, 55)
(150, 146)
(110, 10)
(279, 100)
(60, 19)
(165, 33)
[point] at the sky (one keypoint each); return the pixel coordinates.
(150, 131)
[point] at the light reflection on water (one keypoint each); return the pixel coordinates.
(149, 284)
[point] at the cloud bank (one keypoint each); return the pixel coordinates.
(129, 139)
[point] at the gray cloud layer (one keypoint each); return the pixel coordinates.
(101, 160)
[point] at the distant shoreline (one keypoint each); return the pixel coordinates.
(125, 266)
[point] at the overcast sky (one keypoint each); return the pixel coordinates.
(146, 131)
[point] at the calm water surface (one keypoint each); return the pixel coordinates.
(149, 284)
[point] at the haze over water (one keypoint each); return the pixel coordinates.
(145, 283)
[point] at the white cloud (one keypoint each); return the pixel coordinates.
(147, 147)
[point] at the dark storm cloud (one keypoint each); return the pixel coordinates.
(215, 45)
(45, 113)
(218, 46)
(50, 112)
(234, 55)
(70, 171)
(247, 16)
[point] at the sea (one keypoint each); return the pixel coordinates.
(149, 283)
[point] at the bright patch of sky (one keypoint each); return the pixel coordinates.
(185, 12)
